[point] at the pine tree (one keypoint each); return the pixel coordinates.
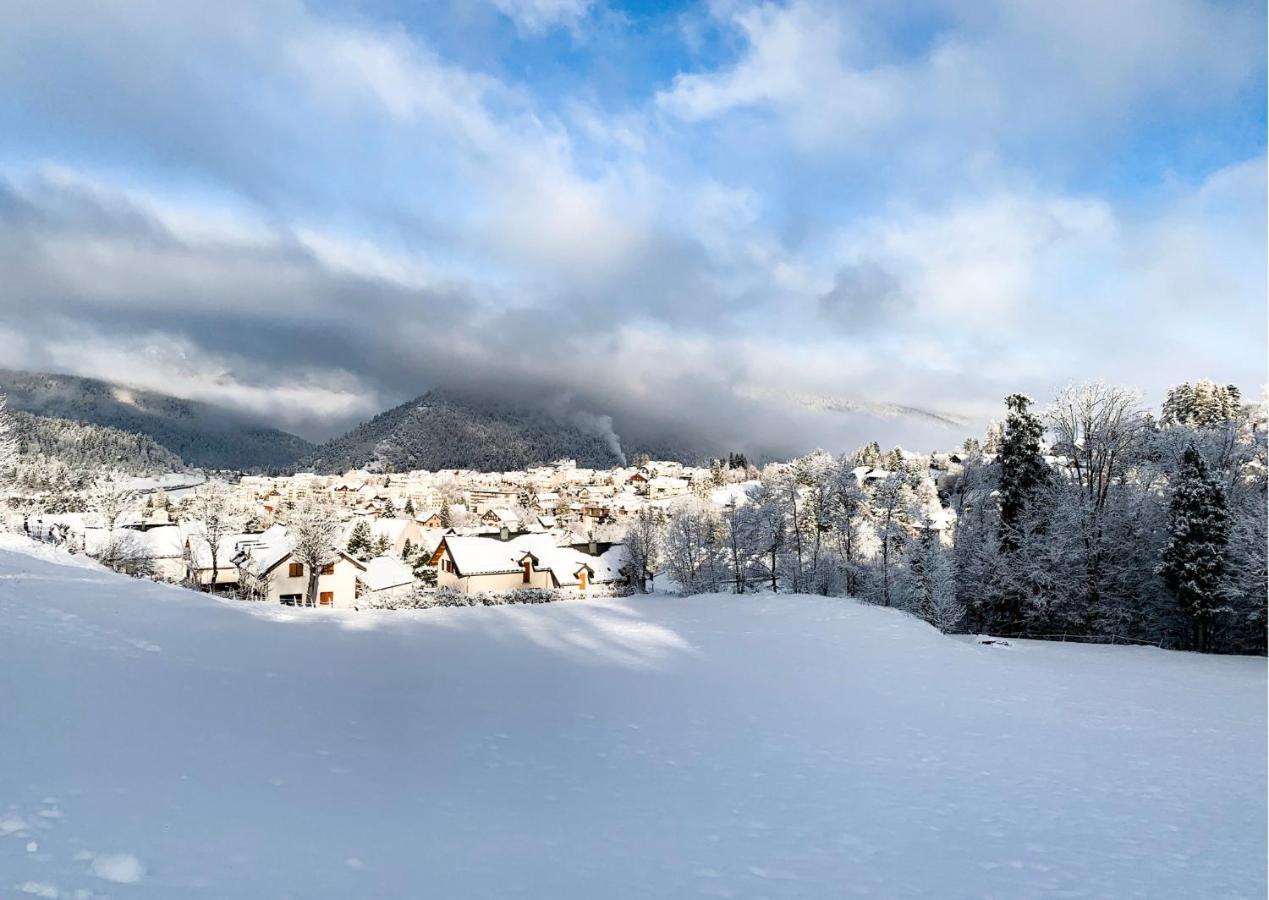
(359, 539)
(1022, 468)
(409, 507)
(930, 582)
(1194, 559)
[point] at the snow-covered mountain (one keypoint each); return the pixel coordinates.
(199, 433)
(161, 743)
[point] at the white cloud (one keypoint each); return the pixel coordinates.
(537, 16)
(838, 79)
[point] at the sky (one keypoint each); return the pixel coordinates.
(772, 225)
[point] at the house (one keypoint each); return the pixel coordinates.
(384, 576)
(500, 516)
(429, 520)
(396, 531)
(161, 546)
(478, 563)
(268, 570)
(198, 561)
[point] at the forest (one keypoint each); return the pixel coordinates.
(1090, 519)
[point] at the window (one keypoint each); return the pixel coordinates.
(328, 569)
(296, 570)
(290, 599)
(326, 598)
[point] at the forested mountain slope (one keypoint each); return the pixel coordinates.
(448, 429)
(201, 434)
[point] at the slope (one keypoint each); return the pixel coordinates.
(719, 746)
(199, 433)
(447, 429)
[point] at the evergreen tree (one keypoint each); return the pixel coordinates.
(1022, 468)
(1194, 559)
(359, 540)
(929, 585)
(409, 507)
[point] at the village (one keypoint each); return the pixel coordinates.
(400, 536)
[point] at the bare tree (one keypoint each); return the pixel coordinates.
(213, 513)
(892, 500)
(643, 547)
(110, 500)
(314, 531)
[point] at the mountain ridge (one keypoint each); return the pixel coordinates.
(201, 434)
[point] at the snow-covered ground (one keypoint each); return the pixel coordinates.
(159, 743)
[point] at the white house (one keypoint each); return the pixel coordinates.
(268, 569)
(495, 563)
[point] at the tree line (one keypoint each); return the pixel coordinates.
(1090, 519)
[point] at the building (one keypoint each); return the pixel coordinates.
(384, 577)
(475, 563)
(268, 570)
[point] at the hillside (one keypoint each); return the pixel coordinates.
(83, 445)
(447, 429)
(200, 434)
(660, 747)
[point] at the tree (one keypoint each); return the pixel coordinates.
(769, 526)
(111, 500)
(314, 532)
(736, 522)
(930, 582)
(892, 499)
(1201, 405)
(380, 545)
(1022, 468)
(8, 445)
(689, 548)
(1194, 559)
(212, 512)
(409, 507)
(359, 540)
(849, 508)
(643, 548)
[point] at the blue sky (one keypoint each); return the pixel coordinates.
(769, 223)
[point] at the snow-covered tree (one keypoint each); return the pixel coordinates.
(216, 519)
(1194, 559)
(359, 540)
(8, 446)
(690, 549)
(642, 544)
(893, 500)
(314, 532)
(1023, 471)
(929, 583)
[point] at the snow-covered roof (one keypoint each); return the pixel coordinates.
(384, 573)
(261, 552)
(478, 555)
(165, 541)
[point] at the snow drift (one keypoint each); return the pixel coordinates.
(159, 743)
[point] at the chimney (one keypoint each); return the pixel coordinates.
(504, 533)
(593, 547)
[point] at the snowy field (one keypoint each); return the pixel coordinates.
(158, 743)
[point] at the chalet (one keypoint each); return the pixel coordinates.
(478, 563)
(268, 569)
(429, 520)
